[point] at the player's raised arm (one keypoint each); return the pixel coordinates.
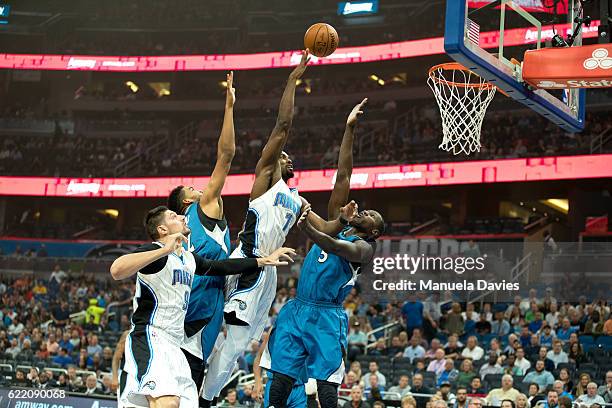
(359, 251)
(344, 216)
(268, 169)
(340, 193)
(150, 261)
(211, 202)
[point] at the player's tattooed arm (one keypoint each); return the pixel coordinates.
(117, 360)
(268, 171)
(147, 259)
(333, 227)
(358, 251)
(258, 390)
(226, 149)
(340, 193)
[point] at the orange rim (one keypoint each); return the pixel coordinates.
(455, 66)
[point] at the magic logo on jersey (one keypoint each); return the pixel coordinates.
(287, 202)
(182, 277)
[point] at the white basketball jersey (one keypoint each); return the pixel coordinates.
(268, 220)
(162, 294)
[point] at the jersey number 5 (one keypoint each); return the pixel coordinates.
(322, 257)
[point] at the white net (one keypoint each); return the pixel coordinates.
(463, 98)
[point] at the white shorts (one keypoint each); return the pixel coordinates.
(251, 296)
(156, 367)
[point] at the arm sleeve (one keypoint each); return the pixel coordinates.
(154, 266)
(225, 267)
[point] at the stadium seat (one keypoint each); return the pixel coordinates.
(586, 339)
(604, 341)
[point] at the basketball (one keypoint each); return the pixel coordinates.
(321, 39)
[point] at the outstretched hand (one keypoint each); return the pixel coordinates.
(230, 97)
(298, 71)
(349, 211)
(356, 112)
(174, 242)
(280, 257)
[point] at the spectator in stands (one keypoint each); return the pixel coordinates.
(90, 325)
(549, 365)
(594, 325)
(475, 402)
(591, 397)
(409, 402)
(606, 390)
(418, 386)
(491, 366)
(547, 336)
(56, 278)
(438, 363)
(549, 243)
(373, 366)
(466, 373)
(565, 402)
(536, 324)
(552, 399)
(500, 327)
(525, 336)
(350, 379)
(522, 401)
(581, 387)
(507, 391)
(107, 386)
(454, 320)
(608, 326)
(476, 387)
(453, 348)
(94, 347)
(95, 311)
(357, 340)
(52, 344)
(534, 345)
(14, 350)
(461, 400)
(373, 389)
(510, 366)
(20, 379)
(75, 382)
(552, 317)
(483, 326)
(356, 368)
(16, 327)
(106, 362)
(412, 312)
(540, 376)
(472, 350)
(414, 350)
(434, 347)
(564, 332)
(507, 404)
(356, 400)
(75, 338)
(521, 361)
(398, 392)
(557, 355)
(565, 378)
(449, 375)
(65, 342)
(85, 361)
(63, 358)
(396, 350)
(558, 386)
(231, 399)
(534, 394)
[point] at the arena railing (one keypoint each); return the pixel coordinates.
(600, 140)
(386, 329)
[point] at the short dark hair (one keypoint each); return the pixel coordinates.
(565, 402)
(153, 219)
(175, 199)
(510, 401)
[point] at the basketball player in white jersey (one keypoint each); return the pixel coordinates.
(273, 209)
(158, 373)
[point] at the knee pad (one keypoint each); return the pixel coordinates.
(328, 394)
(280, 389)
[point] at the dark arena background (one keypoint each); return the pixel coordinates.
(105, 107)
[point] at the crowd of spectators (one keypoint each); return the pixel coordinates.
(60, 332)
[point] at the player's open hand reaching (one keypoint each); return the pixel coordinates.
(356, 112)
(301, 67)
(282, 256)
(349, 211)
(230, 97)
(174, 242)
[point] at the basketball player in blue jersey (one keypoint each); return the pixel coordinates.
(210, 239)
(274, 208)
(311, 330)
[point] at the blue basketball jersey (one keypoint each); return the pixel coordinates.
(209, 238)
(327, 277)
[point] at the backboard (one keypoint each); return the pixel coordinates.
(463, 43)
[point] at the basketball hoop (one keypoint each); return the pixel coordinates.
(463, 98)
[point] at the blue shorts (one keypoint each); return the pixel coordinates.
(311, 335)
(297, 398)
